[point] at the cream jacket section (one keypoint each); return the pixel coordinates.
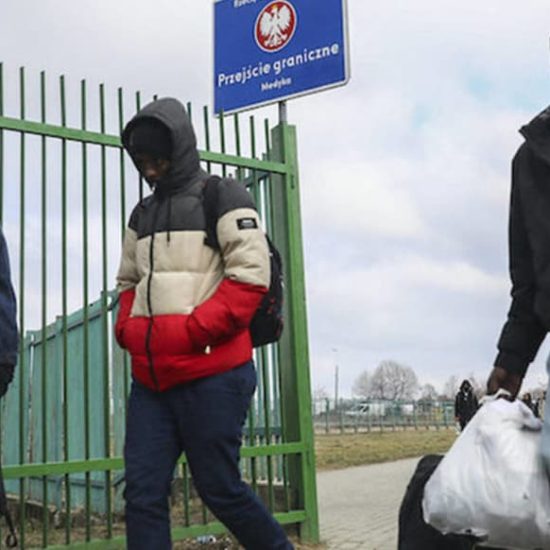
(245, 252)
(185, 273)
(128, 276)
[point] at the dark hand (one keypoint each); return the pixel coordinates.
(6, 376)
(501, 378)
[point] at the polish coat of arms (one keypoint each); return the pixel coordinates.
(275, 25)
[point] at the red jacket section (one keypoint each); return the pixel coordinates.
(214, 338)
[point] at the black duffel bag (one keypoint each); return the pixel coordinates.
(414, 532)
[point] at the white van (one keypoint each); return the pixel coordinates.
(367, 409)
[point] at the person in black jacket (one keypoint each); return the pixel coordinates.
(529, 258)
(466, 404)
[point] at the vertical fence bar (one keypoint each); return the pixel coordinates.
(265, 354)
(275, 367)
(44, 345)
(104, 317)
(206, 134)
(260, 411)
(186, 495)
(252, 411)
(238, 144)
(295, 385)
(123, 216)
(253, 151)
(222, 141)
(267, 416)
(122, 169)
(64, 311)
(204, 510)
(85, 311)
(22, 388)
(268, 357)
(138, 107)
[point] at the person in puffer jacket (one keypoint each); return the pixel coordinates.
(184, 313)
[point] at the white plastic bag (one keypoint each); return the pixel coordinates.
(492, 483)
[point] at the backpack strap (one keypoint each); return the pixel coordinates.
(210, 206)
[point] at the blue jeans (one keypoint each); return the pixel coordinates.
(204, 418)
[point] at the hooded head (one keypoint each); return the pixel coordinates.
(465, 386)
(162, 131)
(537, 135)
(149, 136)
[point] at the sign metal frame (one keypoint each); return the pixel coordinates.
(282, 97)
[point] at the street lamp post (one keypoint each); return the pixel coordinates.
(335, 350)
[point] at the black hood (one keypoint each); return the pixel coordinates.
(185, 167)
(537, 135)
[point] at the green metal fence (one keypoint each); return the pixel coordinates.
(66, 188)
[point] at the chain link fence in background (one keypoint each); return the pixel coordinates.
(355, 415)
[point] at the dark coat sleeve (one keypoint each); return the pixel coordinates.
(8, 312)
(523, 332)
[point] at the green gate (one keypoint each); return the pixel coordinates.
(66, 189)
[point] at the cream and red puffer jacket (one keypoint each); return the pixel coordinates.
(184, 307)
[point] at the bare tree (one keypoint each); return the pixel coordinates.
(451, 387)
(393, 381)
(361, 385)
(428, 392)
(320, 392)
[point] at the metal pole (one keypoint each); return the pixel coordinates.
(283, 118)
(336, 388)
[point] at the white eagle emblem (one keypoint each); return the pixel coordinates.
(275, 25)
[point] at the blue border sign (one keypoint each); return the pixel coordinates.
(271, 50)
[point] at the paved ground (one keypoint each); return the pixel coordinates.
(358, 507)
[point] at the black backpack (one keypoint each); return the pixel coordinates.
(266, 326)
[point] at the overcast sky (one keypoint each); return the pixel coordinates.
(404, 172)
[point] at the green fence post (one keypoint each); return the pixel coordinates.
(294, 354)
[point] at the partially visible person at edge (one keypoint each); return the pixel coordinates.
(529, 257)
(9, 338)
(184, 314)
(466, 404)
